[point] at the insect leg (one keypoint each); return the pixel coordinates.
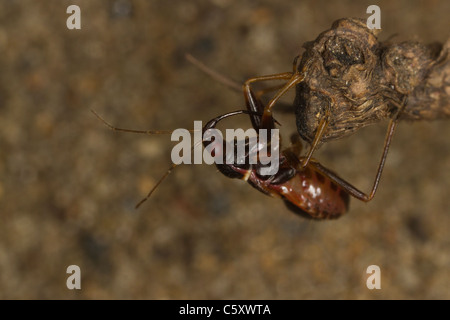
(295, 63)
(355, 192)
(267, 115)
(318, 136)
(261, 92)
(387, 142)
(266, 122)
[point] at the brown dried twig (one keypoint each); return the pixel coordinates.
(347, 79)
(353, 80)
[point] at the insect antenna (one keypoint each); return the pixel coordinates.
(211, 124)
(149, 132)
(172, 166)
(132, 130)
(227, 81)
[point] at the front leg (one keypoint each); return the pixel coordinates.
(267, 121)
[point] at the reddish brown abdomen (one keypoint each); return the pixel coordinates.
(316, 195)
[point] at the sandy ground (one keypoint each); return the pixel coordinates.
(68, 184)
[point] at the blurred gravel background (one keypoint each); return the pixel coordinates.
(68, 184)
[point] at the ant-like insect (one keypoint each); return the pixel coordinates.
(345, 80)
(312, 191)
